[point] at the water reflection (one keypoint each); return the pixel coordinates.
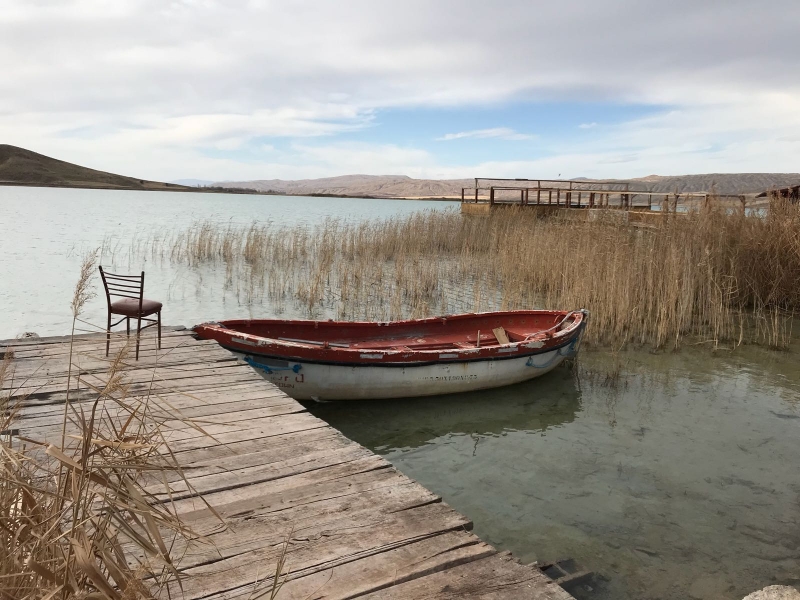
(677, 481)
(403, 424)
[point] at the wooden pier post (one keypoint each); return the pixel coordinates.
(462, 194)
(549, 196)
(476, 194)
(491, 196)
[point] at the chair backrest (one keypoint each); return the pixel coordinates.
(125, 286)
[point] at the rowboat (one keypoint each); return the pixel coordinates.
(337, 360)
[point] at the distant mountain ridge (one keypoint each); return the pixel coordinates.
(380, 186)
(19, 166)
(401, 186)
(722, 183)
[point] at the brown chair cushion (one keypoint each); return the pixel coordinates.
(130, 307)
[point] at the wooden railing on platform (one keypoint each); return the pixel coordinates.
(581, 194)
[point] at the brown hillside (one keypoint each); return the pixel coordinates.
(25, 167)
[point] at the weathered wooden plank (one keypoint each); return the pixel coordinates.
(184, 400)
(84, 337)
(93, 363)
(214, 413)
(162, 374)
(250, 531)
(353, 575)
(146, 348)
(97, 346)
(278, 426)
(232, 479)
(492, 578)
(353, 477)
(214, 452)
(267, 453)
(201, 381)
(374, 533)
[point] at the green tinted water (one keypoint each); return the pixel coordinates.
(679, 481)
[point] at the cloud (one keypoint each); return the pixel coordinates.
(154, 88)
(587, 125)
(503, 133)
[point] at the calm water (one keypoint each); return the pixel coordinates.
(680, 481)
(46, 231)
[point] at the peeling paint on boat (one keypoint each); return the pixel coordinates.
(344, 382)
(312, 360)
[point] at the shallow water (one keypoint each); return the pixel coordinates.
(679, 481)
(45, 232)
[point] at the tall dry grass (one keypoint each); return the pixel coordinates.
(711, 275)
(79, 518)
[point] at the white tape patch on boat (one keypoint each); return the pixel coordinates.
(372, 356)
(448, 356)
(244, 341)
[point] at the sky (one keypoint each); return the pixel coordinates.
(258, 89)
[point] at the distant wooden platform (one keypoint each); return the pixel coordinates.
(359, 528)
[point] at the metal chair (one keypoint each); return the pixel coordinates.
(133, 305)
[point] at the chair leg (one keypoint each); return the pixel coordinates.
(108, 334)
(138, 334)
(159, 330)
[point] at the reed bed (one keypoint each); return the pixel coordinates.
(711, 275)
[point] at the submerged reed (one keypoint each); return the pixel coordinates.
(713, 275)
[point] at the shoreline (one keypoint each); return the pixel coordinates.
(174, 187)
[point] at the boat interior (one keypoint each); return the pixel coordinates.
(462, 331)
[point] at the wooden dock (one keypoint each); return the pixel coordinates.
(585, 193)
(357, 527)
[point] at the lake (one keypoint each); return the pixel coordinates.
(679, 480)
(47, 231)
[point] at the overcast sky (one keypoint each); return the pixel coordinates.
(436, 88)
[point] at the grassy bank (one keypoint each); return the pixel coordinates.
(712, 276)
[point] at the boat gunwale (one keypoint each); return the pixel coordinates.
(394, 364)
(375, 356)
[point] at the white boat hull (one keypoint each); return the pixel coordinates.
(310, 381)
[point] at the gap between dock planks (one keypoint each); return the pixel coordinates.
(359, 528)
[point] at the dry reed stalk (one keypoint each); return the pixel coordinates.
(81, 295)
(714, 275)
(81, 519)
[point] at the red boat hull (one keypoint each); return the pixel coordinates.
(326, 360)
(454, 338)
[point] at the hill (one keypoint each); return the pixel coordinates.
(19, 166)
(722, 183)
(379, 186)
(399, 186)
